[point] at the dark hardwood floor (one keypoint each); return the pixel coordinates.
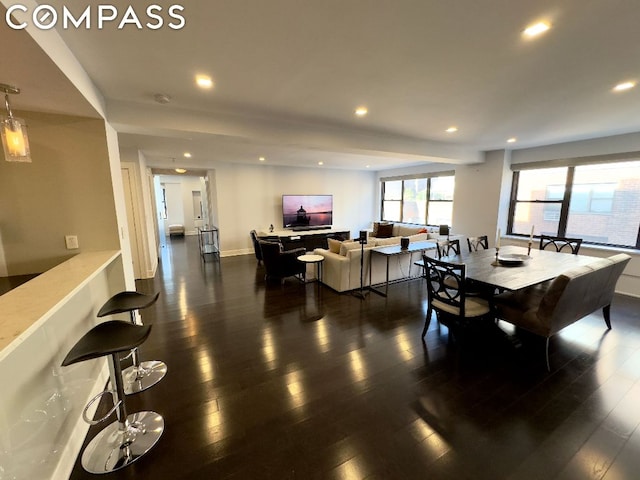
(282, 381)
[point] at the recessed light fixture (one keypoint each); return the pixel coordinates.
(512, 140)
(181, 170)
(204, 81)
(536, 29)
(320, 163)
(262, 159)
(451, 130)
(368, 166)
(361, 111)
(621, 87)
(162, 98)
(187, 155)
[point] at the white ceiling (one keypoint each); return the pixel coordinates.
(289, 74)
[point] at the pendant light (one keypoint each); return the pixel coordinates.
(14, 131)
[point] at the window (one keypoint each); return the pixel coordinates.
(599, 203)
(392, 200)
(424, 200)
(163, 202)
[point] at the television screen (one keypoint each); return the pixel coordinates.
(307, 210)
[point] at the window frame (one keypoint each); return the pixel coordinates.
(565, 209)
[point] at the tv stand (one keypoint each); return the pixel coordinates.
(309, 239)
(308, 229)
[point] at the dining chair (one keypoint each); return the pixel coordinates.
(560, 243)
(475, 243)
(447, 295)
(448, 247)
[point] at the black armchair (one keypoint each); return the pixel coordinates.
(256, 246)
(278, 264)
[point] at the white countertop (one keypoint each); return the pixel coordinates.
(25, 307)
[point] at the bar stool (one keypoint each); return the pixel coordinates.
(131, 436)
(140, 375)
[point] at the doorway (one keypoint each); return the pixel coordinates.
(180, 200)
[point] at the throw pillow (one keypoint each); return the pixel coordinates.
(334, 245)
(347, 246)
(376, 225)
(385, 230)
(423, 230)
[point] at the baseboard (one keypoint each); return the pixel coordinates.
(72, 448)
(235, 253)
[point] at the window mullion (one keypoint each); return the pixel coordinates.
(564, 210)
(428, 200)
(513, 202)
(402, 202)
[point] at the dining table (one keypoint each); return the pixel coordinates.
(520, 268)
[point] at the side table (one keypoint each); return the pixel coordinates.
(315, 259)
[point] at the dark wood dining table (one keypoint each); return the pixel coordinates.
(542, 265)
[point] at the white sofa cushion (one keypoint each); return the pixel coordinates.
(347, 246)
(383, 242)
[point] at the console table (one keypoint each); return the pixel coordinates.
(307, 239)
(390, 251)
(208, 241)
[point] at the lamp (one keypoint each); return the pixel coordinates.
(445, 230)
(14, 131)
(363, 241)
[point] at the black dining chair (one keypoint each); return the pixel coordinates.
(447, 295)
(560, 243)
(448, 247)
(476, 243)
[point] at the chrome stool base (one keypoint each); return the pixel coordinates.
(116, 447)
(147, 374)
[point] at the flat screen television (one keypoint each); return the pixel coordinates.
(304, 211)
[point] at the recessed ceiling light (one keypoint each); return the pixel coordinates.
(512, 140)
(187, 155)
(452, 130)
(181, 170)
(536, 29)
(262, 159)
(320, 163)
(361, 111)
(204, 81)
(162, 98)
(624, 86)
(368, 166)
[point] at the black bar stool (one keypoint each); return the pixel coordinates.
(140, 375)
(131, 436)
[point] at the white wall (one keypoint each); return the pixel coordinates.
(66, 190)
(250, 197)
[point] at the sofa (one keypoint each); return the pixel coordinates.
(547, 308)
(341, 266)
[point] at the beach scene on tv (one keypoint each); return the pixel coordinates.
(307, 210)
